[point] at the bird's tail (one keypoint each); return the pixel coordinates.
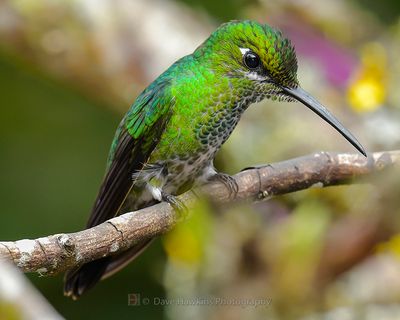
(78, 281)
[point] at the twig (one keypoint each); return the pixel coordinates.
(57, 253)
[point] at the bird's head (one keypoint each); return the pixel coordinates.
(260, 62)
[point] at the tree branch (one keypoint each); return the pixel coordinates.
(57, 253)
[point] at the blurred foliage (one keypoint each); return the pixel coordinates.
(8, 311)
(69, 69)
(388, 12)
(221, 10)
(186, 242)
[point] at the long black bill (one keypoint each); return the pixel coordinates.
(310, 102)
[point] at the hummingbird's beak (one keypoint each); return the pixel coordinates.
(310, 102)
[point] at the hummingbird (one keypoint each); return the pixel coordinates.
(167, 141)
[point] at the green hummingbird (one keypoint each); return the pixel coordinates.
(168, 139)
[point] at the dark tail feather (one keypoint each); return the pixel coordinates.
(78, 281)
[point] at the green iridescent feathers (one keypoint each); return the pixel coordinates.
(151, 108)
(276, 52)
(153, 103)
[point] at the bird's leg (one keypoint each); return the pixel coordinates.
(160, 195)
(175, 203)
(228, 181)
(209, 174)
(156, 184)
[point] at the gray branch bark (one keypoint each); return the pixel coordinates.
(57, 253)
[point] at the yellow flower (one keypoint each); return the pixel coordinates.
(367, 91)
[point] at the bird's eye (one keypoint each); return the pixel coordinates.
(251, 60)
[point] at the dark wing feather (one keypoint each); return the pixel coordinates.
(117, 181)
(136, 138)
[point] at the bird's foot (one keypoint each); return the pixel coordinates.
(175, 203)
(228, 181)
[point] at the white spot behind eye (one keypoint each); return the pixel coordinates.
(244, 50)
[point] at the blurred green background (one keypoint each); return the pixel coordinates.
(70, 69)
